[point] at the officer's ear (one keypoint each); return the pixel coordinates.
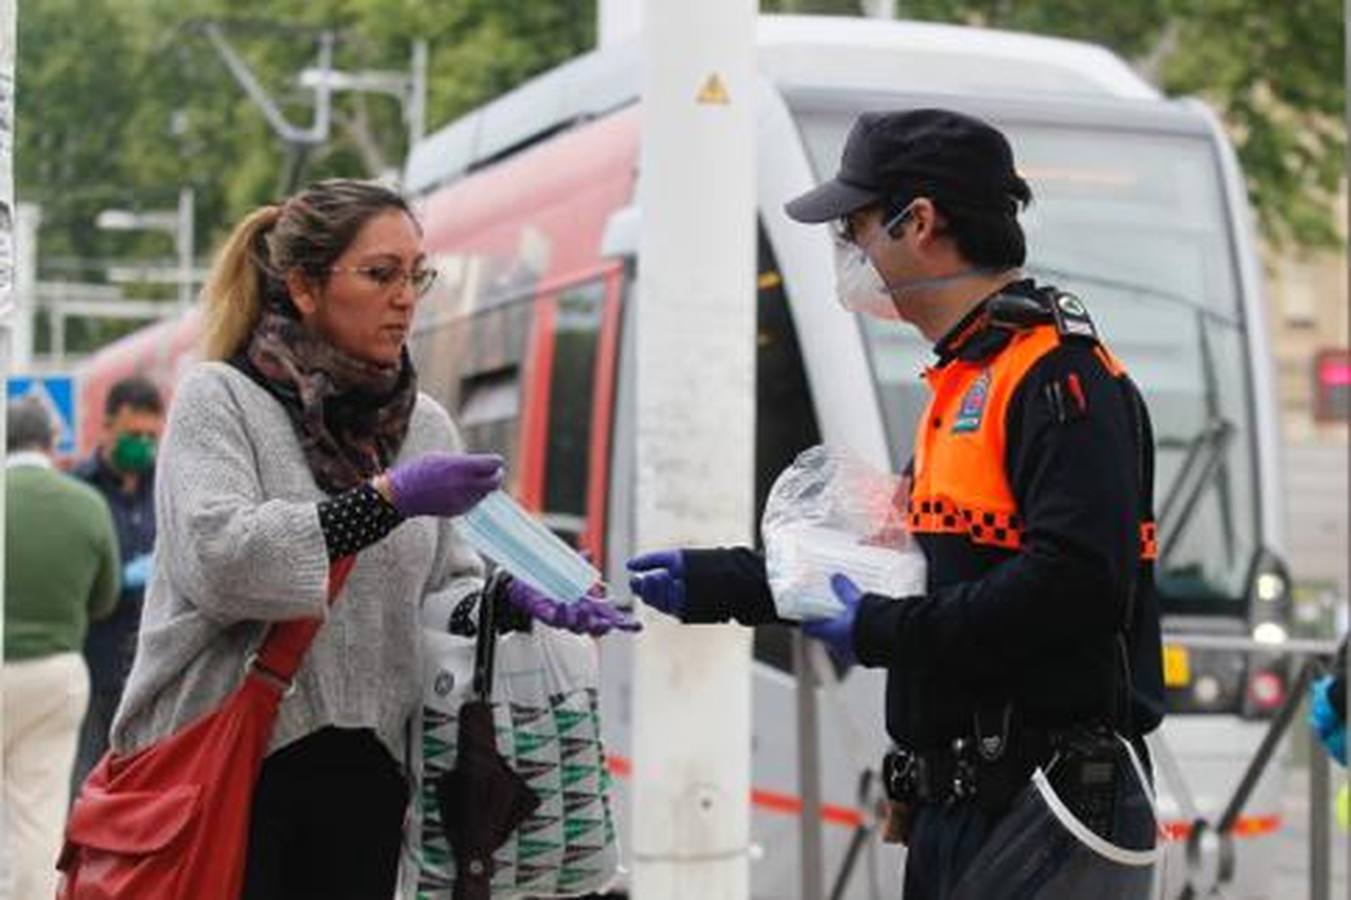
(922, 220)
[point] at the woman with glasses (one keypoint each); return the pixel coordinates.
(302, 438)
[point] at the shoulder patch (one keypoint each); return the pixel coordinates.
(972, 409)
(1071, 317)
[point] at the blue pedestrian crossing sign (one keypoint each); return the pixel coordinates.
(57, 393)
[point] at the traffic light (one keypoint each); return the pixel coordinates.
(1332, 386)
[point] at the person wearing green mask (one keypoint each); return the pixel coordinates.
(122, 469)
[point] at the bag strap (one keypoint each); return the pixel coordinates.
(485, 644)
(286, 643)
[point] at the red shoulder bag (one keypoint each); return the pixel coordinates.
(171, 821)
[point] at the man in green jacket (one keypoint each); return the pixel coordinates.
(62, 569)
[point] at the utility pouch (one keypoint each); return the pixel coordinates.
(1000, 767)
(1086, 775)
(1042, 847)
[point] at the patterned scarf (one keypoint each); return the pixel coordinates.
(351, 416)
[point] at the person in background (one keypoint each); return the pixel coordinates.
(122, 469)
(61, 572)
(302, 439)
(1327, 708)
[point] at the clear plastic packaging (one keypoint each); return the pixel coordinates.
(500, 529)
(831, 512)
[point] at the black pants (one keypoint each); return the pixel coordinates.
(94, 729)
(946, 838)
(943, 841)
(327, 820)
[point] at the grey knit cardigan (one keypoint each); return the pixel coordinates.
(239, 546)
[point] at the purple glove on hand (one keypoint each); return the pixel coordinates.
(443, 484)
(595, 617)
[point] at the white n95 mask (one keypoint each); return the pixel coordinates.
(859, 286)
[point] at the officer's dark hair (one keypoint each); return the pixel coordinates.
(987, 236)
(28, 427)
(136, 392)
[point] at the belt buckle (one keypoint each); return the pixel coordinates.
(963, 781)
(897, 768)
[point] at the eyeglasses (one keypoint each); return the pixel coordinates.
(387, 276)
(845, 228)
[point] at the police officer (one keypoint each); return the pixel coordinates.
(1036, 644)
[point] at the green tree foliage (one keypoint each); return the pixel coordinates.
(1274, 72)
(119, 102)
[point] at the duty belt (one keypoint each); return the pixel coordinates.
(986, 768)
(942, 776)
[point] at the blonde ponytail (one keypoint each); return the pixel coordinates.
(232, 298)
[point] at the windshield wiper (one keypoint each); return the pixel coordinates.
(1205, 459)
(1205, 453)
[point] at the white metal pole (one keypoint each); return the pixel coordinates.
(695, 439)
(27, 218)
(618, 20)
(184, 239)
(811, 864)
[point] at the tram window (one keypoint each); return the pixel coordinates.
(785, 421)
(489, 404)
(577, 326)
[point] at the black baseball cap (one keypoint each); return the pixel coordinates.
(946, 155)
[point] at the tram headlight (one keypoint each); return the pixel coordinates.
(1270, 610)
(1269, 633)
(1270, 586)
(1206, 691)
(1267, 691)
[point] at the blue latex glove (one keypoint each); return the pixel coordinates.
(838, 633)
(591, 614)
(136, 573)
(659, 581)
(1326, 720)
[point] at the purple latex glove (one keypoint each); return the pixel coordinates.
(659, 581)
(838, 633)
(443, 484)
(590, 615)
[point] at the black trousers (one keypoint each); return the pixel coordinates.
(943, 841)
(327, 820)
(946, 838)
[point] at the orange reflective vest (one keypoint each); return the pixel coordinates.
(960, 483)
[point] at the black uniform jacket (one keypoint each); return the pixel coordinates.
(1027, 598)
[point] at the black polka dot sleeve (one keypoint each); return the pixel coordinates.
(355, 519)
(464, 618)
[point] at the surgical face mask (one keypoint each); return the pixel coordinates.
(860, 287)
(501, 530)
(133, 453)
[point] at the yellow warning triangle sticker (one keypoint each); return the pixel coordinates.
(713, 93)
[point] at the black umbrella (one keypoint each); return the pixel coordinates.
(482, 802)
(482, 799)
